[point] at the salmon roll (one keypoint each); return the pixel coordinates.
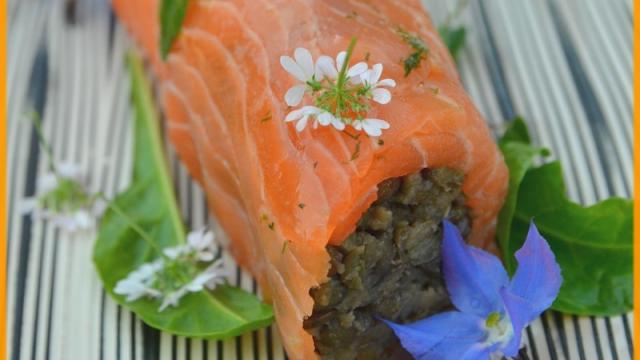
(339, 222)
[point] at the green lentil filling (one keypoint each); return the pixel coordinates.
(389, 267)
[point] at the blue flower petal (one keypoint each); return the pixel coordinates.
(446, 336)
(537, 279)
(473, 277)
(518, 310)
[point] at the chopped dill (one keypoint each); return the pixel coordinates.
(267, 117)
(284, 246)
(356, 152)
(315, 164)
(420, 51)
(301, 205)
(367, 56)
(271, 225)
(353, 136)
(380, 142)
(352, 15)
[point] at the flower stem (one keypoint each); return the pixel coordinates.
(342, 77)
(37, 124)
(143, 234)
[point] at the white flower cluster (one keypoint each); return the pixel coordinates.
(177, 273)
(63, 198)
(339, 98)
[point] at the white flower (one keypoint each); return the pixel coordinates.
(372, 127)
(139, 282)
(325, 66)
(326, 119)
(320, 116)
(301, 68)
(210, 278)
(199, 243)
(371, 78)
(202, 242)
(64, 209)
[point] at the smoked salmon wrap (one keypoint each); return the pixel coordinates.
(340, 227)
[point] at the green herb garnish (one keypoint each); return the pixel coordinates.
(267, 117)
(225, 312)
(593, 244)
(420, 51)
(172, 14)
(454, 36)
(356, 151)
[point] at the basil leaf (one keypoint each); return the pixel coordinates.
(172, 14)
(516, 132)
(150, 202)
(593, 245)
(454, 38)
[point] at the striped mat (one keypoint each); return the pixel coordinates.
(566, 65)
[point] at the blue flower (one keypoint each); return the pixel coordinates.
(492, 310)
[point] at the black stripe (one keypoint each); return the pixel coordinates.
(205, 349)
(174, 347)
(38, 293)
(578, 334)
(188, 349)
(627, 333)
(532, 344)
(103, 297)
(132, 328)
(596, 337)
(119, 313)
(558, 321)
(612, 341)
(238, 338)
(36, 96)
(547, 335)
(54, 270)
(254, 335)
(494, 65)
(269, 342)
(150, 342)
(601, 133)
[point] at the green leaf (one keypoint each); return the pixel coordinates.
(516, 132)
(593, 245)
(454, 38)
(150, 202)
(172, 14)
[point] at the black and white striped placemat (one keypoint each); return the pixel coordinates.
(566, 65)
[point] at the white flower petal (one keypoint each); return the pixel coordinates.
(357, 125)
(325, 68)
(357, 69)
(376, 72)
(82, 220)
(340, 59)
(69, 170)
(292, 68)
(371, 130)
(338, 124)
(387, 83)
(305, 61)
(294, 95)
(302, 123)
(294, 115)
(47, 183)
(381, 96)
(172, 299)
(325, 118)
(381, 124)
